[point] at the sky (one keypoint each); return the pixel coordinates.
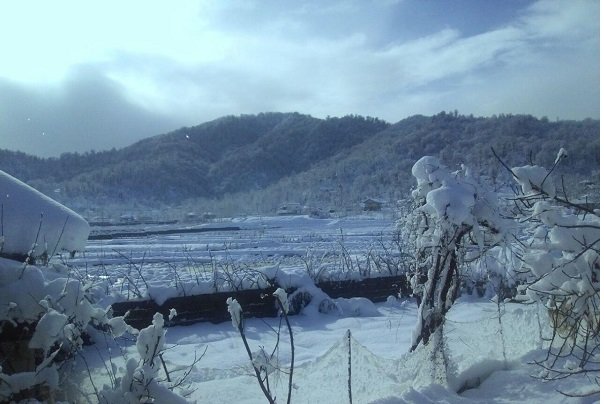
(79, 75)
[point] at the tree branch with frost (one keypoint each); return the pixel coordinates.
(451, 210)
(283, 303)
(563, 262)
(540, 187)
(141, 380)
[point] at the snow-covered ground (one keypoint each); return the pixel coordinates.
(488, 352)
(382, 369)
(165, 265)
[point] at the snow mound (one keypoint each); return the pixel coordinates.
(33, 224)
(533, 178)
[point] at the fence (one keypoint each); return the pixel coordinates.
(255, 303)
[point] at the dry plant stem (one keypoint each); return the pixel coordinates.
(266, 392)
(291, 344)
(348, 338)
(1, 227)
(138, 269)
(54, 251)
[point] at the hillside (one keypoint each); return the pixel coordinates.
(381, 165)
(256, 162)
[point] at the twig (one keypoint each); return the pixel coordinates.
(291, 344)
(60, 236)
(348, 338)
(256, 371)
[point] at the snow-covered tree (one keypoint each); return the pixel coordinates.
(454, 219)
(562, 257)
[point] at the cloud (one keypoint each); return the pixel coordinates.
(330, 61)
(389, 59)
(86, 111)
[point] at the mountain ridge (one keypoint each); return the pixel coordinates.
(298, 157)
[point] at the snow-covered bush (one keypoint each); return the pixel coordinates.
(562, 257)
(493, 274)
(45, 312)
(454, 220)
(45, 317)
(142, 381)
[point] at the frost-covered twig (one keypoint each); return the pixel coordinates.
(131, 264)
(236, 313)
(60, 236)
(283, 302)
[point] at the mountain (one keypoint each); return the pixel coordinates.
(381, 165)
(226, 155)
(267, 159)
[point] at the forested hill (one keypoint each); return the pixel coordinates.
(226, 155)
(275, 157)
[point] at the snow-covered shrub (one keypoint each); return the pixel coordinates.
(562, 256)
(142, 381)
(493, 274)
(47, 314)
(454, 219)
(43, 313)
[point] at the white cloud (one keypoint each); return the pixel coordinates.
(201, 60)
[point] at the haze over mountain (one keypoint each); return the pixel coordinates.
(260, 161)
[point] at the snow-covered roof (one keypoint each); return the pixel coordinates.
(33, 224)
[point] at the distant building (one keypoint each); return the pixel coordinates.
(290, 209)
(128, 218)
(191, 217)
(372, 205)
(207, 216)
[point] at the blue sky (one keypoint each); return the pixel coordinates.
(80, 75)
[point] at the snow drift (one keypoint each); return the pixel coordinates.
(35, 225)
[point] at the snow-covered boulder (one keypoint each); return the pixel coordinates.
(33, 224)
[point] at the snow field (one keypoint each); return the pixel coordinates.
(487, 355)
(382, 369)
(164, 266)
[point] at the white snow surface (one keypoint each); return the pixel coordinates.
(273, 246)
(34, 224)
(382, 369)
(532, 177)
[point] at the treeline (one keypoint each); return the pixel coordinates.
(254, 163)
